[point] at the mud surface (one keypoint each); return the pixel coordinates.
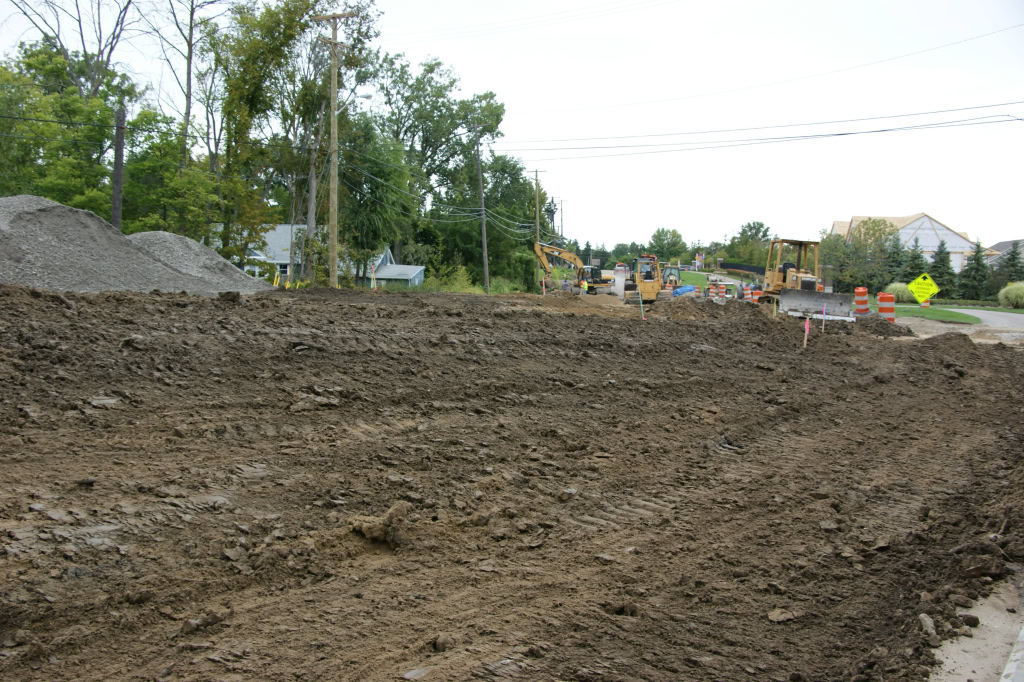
(320, 485)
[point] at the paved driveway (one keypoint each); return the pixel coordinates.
(993, 318)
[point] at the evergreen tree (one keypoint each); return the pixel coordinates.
(915, 262)
(895, 256)
(941, 272)
(1010, 265)
(974, 276)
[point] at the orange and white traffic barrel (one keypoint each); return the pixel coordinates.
(721, 292)
(887, 306)
(860, 301)
(755, 295)
(926, 303)
(746, 292)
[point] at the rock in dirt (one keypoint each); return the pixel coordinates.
(382, 528)
(443, 642)
(781, 615)
(927, 624)
(969, 619)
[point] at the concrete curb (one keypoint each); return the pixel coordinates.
(1014, 670)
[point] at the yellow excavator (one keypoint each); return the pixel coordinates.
(794, 285)
(583, 272)
(645, 283)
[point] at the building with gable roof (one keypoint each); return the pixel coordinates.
(921, 226)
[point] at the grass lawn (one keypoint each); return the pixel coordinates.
(697, 279)
(933, 313)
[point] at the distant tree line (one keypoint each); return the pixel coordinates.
(243, 144)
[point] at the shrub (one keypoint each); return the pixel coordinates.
(901, 291)
(1012, 295)
(500, 285)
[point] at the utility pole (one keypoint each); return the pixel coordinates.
(483, 215)
(332, 249)
(536, 203)
(117, 180)
(561, 217)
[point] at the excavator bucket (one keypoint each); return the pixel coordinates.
(805, 302)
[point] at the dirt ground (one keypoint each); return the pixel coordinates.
(352, 486)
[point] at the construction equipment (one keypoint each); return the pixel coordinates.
(583, 272)
(670, 275)
(795, 286)
(645, 283)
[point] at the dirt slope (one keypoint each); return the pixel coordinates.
(321, 485)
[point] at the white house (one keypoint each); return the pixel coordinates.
(927, 230)
(278, 253)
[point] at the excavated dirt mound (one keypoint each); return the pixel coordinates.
(194, 259)
(51, 246)
(341, 485)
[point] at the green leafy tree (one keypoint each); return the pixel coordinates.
(941, 272)
(867, 259)
(974, 276)
(834, 252)
(667, 244)
(915, 263)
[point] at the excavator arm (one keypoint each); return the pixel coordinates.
(542, 251)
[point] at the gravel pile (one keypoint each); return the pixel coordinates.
(192, 258)
(47, 245)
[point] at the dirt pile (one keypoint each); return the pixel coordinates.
(192, 258)
(340, 485)
(48, 245)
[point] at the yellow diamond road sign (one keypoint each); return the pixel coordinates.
(923, 288)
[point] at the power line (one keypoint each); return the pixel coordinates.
(747, 139)
(776, 140)
(770, 127)
(403, 212)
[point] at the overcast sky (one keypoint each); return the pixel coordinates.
(639, 73)
(578, 69)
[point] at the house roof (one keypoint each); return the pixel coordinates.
(1003, 246)
(843, 227)
(402, 272)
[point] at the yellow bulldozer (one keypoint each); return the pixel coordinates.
(645, 283)
(790, 281)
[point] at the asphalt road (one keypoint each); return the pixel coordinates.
(994, 318)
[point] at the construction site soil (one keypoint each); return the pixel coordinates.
(322, 485)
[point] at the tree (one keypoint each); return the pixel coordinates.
(974, 276)
(834, 252)
(754, 232)
(1010, 264)
(895, 255)
(915, 263)
(941, 272)
(868, 255)
(667, 244)
(97, 28)
(187, 19)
